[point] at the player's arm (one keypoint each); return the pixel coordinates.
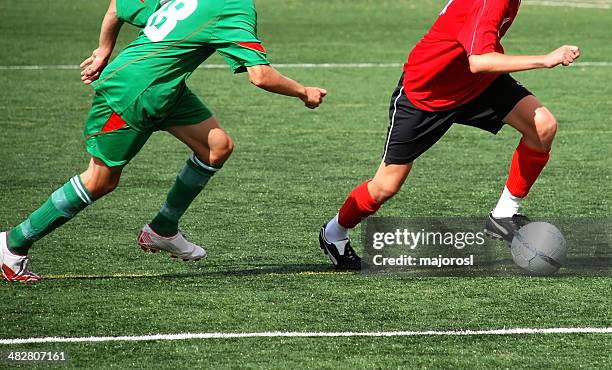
(109, 31)
(266, 77)
(501, 63)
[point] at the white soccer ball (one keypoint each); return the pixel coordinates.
(539, 247)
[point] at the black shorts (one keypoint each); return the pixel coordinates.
(412, 130)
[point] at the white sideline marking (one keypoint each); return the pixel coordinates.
(569, 4)
(277, 334)
(281, 65)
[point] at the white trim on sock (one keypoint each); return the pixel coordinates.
(205, 166)
(80, 190)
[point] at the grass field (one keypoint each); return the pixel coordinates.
(291, 170)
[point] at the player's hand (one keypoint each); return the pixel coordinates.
(565, 55)
(93, 66)
(314, 97)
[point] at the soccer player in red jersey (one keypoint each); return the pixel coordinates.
(457, 73)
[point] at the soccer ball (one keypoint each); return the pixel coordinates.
(539, 247)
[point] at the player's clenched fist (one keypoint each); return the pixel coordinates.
(314, 97)
(565, 55)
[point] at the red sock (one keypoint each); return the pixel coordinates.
(357, 206)
(527, 164)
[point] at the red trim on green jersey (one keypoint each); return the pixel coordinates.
(115, 122)
(253, 46)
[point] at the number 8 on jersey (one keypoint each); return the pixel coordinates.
(165, 19)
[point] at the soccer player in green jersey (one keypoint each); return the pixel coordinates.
(142, 91)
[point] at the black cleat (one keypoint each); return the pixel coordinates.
(504, 228)
(341, 253)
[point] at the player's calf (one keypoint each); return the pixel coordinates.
(538, 126)
(362, 202)
(388, 181)
(190, 182)
(99, 179)
(211, 147)
(60, 207)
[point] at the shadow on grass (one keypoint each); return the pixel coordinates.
(215, 271)
(574, 267)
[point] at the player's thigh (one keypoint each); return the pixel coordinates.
(532, 119)
(506, 101)
(412, 131)
(203, 136)
(193, 124)
(109, 138)
(487, 111)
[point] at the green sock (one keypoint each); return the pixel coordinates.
(61, 206)
(189, 183)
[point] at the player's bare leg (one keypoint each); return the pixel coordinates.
(538, 127)
(99, 179)
(535, 122)
(82, 190)
(362, 202)
(388, 181)
(211, 147)
(210, 143)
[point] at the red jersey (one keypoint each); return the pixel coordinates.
(437, 75)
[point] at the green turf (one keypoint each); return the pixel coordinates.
(291, 170)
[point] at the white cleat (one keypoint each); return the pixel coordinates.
(176, 245)
(14, 267)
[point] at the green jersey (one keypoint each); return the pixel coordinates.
(176, 38)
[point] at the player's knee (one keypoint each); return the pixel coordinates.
(382, 191)
(102, 186)
(99, 179)
(221, 151)
(546, 125)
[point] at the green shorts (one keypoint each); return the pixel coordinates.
(116, 139)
